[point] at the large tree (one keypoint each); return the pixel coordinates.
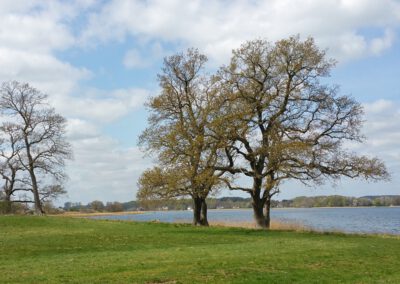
(179, 134)
(284, 123)
(42, 144)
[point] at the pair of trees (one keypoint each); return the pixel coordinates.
(266, 116)
(33, 148)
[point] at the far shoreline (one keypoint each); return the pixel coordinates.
(95, 214)
(87, 214)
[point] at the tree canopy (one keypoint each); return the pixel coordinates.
(268, 116)
(285, 123)
(179, 134)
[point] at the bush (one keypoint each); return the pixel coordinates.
(16, 208)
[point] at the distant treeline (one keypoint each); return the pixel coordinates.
(236, 203)
(99, 206)
(340, 201)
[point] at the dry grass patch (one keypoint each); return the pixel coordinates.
(275, 225)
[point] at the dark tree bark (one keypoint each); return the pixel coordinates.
(268, 212)
(203, 216)
(262, 211)
(258, 205)
(200, 212)
(196, 211)
(35, 190)
(36, 197)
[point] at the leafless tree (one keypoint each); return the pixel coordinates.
(9, 163)
(43, 147)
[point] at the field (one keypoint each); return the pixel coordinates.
(72, 250)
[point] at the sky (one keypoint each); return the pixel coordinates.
(98, 62)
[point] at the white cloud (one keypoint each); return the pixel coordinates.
(379, 107)
(382, 132)
(378, 45)
(42, 70)
(134, 58)
(218, 26)
(39, 26)
(382, 127)
(40, 34)
(96, 105)
(102, 171)
(78, 129)
(31, 34)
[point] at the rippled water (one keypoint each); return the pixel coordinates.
(355, 220)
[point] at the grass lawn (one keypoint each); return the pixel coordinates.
(70, 250)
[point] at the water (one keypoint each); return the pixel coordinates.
(353, 220)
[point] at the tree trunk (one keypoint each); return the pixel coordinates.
(38, 203)
(258, 204)
(35, 190)
(196, 211)
(203, 217)
(258, 210)
(268, 212)
(199, 212)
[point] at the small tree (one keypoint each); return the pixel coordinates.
(285, 124)
(114, 207)
(43, 147)
(96, 205)
(179, 132)
(9, 163)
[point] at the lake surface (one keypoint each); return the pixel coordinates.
(353, 220)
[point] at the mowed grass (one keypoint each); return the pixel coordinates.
(70, 250)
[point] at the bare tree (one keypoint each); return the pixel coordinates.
(42, 132)
(9, 163)
(179, 133)
(285, 124)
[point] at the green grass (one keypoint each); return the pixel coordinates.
(67, 250)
